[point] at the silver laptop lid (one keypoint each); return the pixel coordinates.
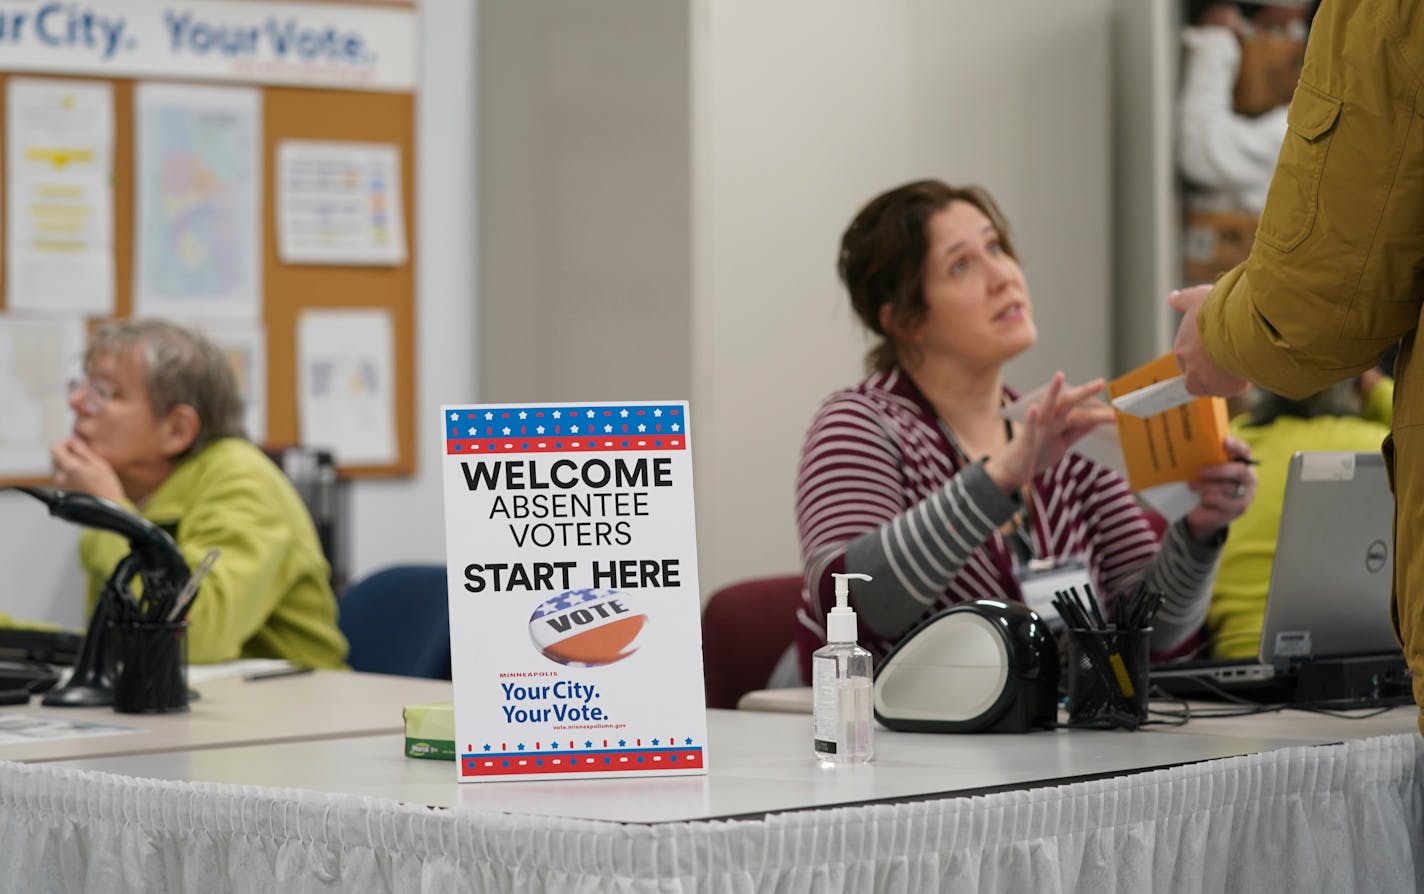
(1330, 582)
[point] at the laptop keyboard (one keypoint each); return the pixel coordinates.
(49, 646)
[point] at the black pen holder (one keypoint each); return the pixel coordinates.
(150, 667)
(1098, 659)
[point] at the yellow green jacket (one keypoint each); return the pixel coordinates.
(268, 595)
(1336, 273)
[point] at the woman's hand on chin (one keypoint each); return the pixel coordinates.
(78, 468)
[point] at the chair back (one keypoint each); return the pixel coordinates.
(397, 622)
(746, 628)
(314, 475)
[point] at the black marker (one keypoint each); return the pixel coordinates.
(274, 674)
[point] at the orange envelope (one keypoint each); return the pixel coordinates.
(1173, 444)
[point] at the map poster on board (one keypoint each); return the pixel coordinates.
(575, 626)
(198, 179)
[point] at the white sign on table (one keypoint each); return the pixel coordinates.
(574, 608)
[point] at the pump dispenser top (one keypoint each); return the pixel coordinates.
(840, 626)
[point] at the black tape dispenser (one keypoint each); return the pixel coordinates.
(981, 666)
(154, 559)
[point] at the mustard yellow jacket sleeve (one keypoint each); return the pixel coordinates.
(1336, 273)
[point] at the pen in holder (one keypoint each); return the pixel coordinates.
(150, 666)
(149, 641)
(1107, 677)
(1108, 665)
(148, 631)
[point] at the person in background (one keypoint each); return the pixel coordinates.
(1225, 155)
(158, 430)
(1347, 416)
(1334, 276)
(915, 477)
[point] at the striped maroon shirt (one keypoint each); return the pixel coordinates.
(880, 481)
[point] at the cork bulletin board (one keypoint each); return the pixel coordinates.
(322, 113)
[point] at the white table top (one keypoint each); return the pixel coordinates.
(759, 762)
(234, 711)
(1289, 723)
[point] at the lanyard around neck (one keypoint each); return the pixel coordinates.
(1018, 530)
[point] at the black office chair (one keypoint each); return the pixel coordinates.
(317, 481)
(397, 622)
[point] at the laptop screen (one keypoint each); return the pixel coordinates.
(1334, 564)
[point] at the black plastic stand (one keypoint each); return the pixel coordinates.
(91, 684)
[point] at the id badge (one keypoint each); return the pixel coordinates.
(1040, 579)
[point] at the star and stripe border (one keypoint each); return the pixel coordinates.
(551, 428)
(560, 759)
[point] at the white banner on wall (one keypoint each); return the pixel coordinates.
(329, 45)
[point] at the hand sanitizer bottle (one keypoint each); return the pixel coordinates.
(840, 683)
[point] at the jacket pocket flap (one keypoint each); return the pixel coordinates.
(1311, 112)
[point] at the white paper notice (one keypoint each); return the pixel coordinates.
(37, 358)
(18, 728)
(1101, 445)
(1158, 397)
(1172, 501)
(339, 203)
(199, 188)
(572, 554)
(1327, 466)
(346, 396)
(59, 241)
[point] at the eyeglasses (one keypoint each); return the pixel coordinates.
(97, 393)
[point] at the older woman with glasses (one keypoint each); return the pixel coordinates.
(158, 429)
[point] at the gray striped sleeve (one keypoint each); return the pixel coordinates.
(1183, 570)
(914, 556)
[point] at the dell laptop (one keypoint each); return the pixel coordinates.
(1328, 599)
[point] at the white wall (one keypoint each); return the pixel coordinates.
(804, 110)
(792, 113)
(403, 520)
(584, 200)
(395, 520)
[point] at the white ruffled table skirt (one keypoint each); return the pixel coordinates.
(1341, 818)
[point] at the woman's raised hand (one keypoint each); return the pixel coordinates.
(1064, 414)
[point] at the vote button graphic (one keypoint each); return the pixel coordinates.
(588, 628)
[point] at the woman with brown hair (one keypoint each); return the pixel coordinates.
(916, 477)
